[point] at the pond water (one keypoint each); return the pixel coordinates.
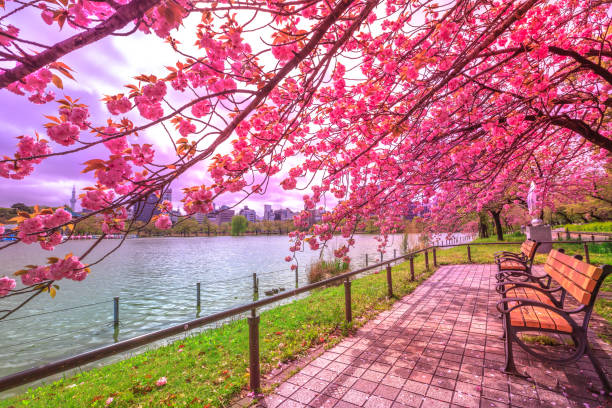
(155, 279)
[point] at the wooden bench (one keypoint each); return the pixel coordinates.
(532, 307)
(516, 264)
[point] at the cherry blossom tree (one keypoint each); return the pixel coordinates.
(385, 107)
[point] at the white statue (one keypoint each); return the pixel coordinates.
(532, 200)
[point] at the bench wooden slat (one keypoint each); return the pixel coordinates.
(576, 277)
(590, 271)
(576, 291)
(533, 316)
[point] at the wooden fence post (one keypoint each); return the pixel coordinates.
(389, 281)
(469, 254)
(116, 311)
(435, 258)
(254, 373)
(348, 312)
(587, 258)
(198, 296)
(426, 260)
(411, 268)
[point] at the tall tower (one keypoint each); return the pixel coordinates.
(73, 200)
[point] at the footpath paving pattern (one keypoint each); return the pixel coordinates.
(439, 347)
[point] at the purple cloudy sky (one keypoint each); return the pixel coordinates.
(101, 68)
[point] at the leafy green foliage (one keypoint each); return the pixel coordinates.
(239, 224)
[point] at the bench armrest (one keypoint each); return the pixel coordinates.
(504, 253)
(500, 287)
(505, 274)
(499, 262)
(513, 257)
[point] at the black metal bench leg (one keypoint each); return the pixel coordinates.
(600, 372)
(509, 366)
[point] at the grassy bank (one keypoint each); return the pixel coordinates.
(211, 368)
(591, 226)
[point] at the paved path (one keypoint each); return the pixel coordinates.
(438, 347)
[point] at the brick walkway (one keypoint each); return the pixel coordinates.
(438, 347)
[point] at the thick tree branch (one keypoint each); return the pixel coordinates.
(120, 19)
(584, 130)
(585, 62)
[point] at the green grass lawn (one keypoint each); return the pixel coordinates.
(211, 368)
(592, 226)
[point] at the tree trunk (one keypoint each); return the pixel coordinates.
(498, 225)
(483, 230)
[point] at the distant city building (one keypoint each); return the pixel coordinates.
(249, 214)
(199, 217)
(73, 200)
(221, 215)
(316, 216)
(283, 214)
(145, 210)
(174, 216)
(268, 213)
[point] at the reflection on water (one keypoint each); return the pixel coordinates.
(155, 279)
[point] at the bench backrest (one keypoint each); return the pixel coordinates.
(578, 278)
(528, 248)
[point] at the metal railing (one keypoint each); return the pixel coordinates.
(37, 373)
(568, 234)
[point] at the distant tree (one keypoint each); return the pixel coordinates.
(21, 207)
(90, 226)
(239, 224)
(187, 227)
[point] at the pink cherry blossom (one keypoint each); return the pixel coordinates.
(10, 30)
(163, 222)
(186, 128)
(116, 145)
(118, 106)
(161, 382)
(6, 285)
(200, 109)
(65, 133)
(142, 155)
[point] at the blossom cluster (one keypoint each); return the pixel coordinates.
(149, 103)
(39, 228)
(198, 200)
(68, 268)
(119, 105)
(26, 147)
(36, 84)
(6, 285)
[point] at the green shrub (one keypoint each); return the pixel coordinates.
(326, 269)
